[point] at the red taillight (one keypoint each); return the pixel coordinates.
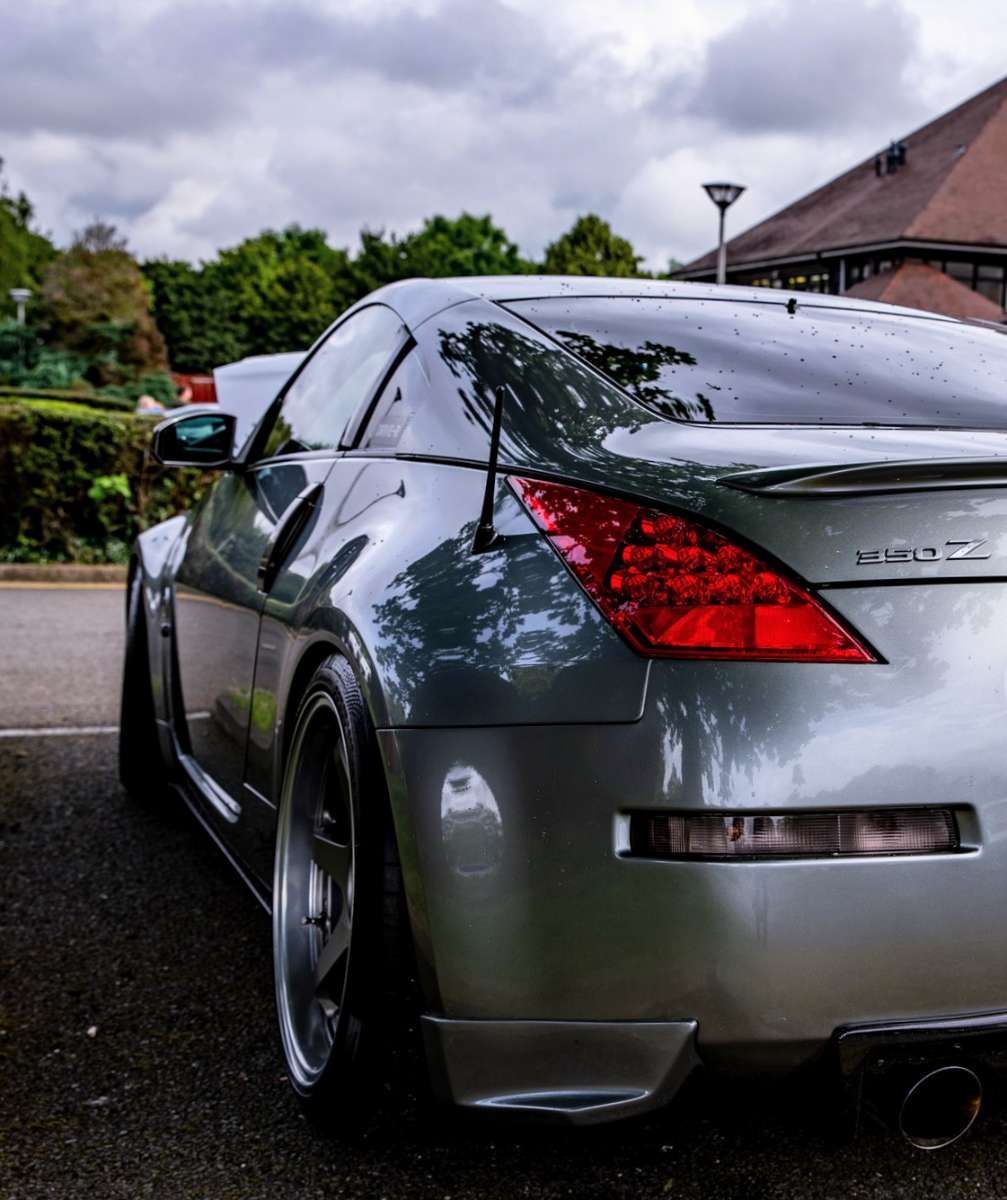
(673, 587)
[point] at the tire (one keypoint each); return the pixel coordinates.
(141, 768)
(339, 943)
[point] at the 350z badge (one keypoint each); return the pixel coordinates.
(950, 550)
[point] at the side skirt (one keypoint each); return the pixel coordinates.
(194, 785)
(185, 790)
(188, 785)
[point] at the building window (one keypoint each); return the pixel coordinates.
(961, 271)
(990, 283)
(808, 281)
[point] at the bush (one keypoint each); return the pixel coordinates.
(160, 385)
(54, 369)
(79, 484)
(91, 399)
(27, 363)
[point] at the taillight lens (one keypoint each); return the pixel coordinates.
(673, 587)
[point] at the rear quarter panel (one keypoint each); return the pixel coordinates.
(438, 636)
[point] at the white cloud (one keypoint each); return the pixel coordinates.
(192, 126)
(795, 67)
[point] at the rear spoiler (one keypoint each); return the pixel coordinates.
(865, 479)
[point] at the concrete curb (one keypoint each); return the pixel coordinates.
(62, 573)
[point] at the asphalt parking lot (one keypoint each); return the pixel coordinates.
(137, 1052)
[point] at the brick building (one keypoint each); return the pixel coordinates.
(923, 223)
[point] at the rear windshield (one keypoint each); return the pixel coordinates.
(721, 361)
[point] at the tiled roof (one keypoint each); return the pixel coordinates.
(915, 285)
(950, 189)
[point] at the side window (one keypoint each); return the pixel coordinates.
(337, 380)
(439, 400)
(552, 399)
(393, 424)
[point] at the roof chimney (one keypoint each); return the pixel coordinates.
(895, 157)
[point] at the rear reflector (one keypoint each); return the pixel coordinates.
(673, 587)
(792, 835)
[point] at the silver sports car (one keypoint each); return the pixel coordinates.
(622, 663)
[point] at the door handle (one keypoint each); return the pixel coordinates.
(291, 522)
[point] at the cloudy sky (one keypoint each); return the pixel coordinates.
(193, 124)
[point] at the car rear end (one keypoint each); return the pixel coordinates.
(800, 843)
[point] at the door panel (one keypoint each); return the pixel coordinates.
(312, 575)
(217, 606)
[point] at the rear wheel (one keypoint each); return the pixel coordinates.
(335, 956)
(141, 769)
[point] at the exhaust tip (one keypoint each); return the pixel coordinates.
(940, 1107)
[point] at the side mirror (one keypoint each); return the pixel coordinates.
(202, 437)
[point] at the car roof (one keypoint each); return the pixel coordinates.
(418, 299)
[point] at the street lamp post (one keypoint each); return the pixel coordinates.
(20, 296)
(723, 195)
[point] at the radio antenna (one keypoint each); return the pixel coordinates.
(486, 534)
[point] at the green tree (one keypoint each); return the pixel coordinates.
(95, 304)
(273, 292)
(281, 289)
(24, 252)
(591, 248)
(465, 245)
(194, 315)
(379, 260)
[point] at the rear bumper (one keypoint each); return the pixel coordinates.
(877, 1063)
(978, 1041)
(588, 1072)
(524, 909)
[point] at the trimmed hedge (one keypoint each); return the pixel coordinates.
(71, 396)
(78, 483)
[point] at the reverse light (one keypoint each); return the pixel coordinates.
(792, 835)
(673, 587)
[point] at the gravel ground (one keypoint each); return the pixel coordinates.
(138, 1056)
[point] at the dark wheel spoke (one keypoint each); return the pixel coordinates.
(334, 858)
(343, 779)
(333, 951)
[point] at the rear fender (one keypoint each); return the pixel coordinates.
(333, 634)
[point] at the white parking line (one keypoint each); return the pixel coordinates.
(58, 731)
(78, 730)
(59, 585)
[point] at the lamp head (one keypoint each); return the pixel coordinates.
(723, 194)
